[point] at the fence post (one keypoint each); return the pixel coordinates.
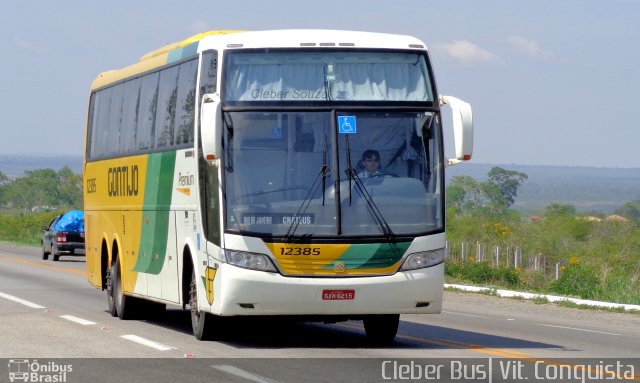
(557, 271)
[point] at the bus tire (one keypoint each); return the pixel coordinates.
(381, 329)
(124, 305)
(109, 287)
(201, 322)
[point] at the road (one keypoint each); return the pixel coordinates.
(49, 310)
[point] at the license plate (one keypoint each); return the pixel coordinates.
(338, 295)
(79, 251)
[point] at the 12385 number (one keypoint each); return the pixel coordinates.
(308, 251)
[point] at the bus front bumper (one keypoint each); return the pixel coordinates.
(240, 291)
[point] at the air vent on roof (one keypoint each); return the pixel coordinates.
(327, 44)
(416, 46)
(347, 44)
(307, 44)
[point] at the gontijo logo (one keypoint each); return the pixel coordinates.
(22, 370)
(122, 181)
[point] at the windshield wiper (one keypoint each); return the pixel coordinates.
(229, 147)
(324, 173)
(362, 191)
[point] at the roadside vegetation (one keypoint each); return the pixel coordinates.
(590, 256)
(556, 250)
(28, 203)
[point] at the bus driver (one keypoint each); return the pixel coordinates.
(370, 163)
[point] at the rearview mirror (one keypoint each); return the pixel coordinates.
(462, 120)
(210, 121)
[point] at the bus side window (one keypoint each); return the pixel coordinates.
(166, 110)
(185, 103)
(147, 112)
(100, 124)
(130, 116)
(113, 146)
(208, 72)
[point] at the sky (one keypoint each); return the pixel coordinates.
(550, 82)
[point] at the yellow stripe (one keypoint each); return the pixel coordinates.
(44, 265)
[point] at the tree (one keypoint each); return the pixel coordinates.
(464, 194)
(3, 181)
(630, 209)
(46, 188)
(559, 210)
(493, 196)
(34, 189)
(69, 188)
(502, 186)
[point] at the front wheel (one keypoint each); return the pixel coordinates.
(201, 322)
(381, 329)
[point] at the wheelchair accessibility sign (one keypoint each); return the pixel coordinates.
(347, 124)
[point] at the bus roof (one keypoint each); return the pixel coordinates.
(296, 38)
(233, 39)
(156, 58)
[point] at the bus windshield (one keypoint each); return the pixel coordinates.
(305, 174)
(261, 76)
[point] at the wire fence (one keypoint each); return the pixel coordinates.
(503, 257)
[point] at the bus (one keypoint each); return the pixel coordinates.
(225, 174)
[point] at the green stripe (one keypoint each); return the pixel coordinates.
(371, 255)
(180, 53)
(156, 212)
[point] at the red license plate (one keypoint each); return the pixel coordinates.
(338, 295)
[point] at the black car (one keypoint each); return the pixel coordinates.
(64, 235)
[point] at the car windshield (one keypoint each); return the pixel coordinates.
(312, 173)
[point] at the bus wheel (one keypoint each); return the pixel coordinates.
(381, 329)
(124, 305)
(201, 322)
(109, 288)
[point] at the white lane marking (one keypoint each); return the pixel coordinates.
(147, 342)
(81, 321)
(233, 370)
(579, 329)
(21, 301)
(463, 314)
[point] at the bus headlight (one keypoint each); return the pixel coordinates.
(423, 259)
(247, 260)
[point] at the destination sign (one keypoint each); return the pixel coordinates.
(276, 219)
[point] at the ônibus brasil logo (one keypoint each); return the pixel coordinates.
(23, 370)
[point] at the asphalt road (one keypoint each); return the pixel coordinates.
(48, 310)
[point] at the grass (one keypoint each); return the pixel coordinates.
(24, 228)
(592, 282)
